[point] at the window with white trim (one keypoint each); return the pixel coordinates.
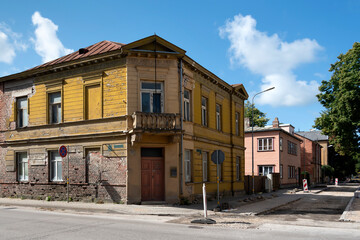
(265, 170)
(55, 166)
(265, 144)
(204, 103)
(281, 143)
(22, 112)
(22, 166)
(187, 105)
(237, 122)
(281, 171)
(205, 166)
(187, 161)
(152, 97)
(218, 117)
(55, 107)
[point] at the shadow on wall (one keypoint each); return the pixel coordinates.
(112, 192)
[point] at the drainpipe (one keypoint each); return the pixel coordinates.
(181, 129)
(232, 144)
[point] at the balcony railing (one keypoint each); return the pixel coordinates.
(156, 121)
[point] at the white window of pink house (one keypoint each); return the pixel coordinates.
(265, 144)
(265, 170)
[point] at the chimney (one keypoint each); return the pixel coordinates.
(247, 122)
(275, 123)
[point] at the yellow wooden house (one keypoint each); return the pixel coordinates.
(140, 122)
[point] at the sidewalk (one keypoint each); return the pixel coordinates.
(241, 206)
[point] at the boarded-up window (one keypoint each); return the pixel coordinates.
(92, 102)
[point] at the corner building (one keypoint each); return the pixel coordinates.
(140, 122)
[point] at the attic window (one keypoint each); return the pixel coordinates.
(83, 50)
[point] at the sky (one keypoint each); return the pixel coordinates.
(288, 45)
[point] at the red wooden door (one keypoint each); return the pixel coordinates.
(152, 179)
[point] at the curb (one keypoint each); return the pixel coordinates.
(347, 210)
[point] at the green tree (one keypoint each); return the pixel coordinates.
(260, 119)
(341, 98)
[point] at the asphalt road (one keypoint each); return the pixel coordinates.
(327, 205)
(18, 223)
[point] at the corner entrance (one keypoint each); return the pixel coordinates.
(152, 174)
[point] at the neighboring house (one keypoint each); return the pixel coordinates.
(133, 133)
(276, 150)
(314, 153)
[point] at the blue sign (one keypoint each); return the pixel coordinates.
(63, 151)
(218, 157)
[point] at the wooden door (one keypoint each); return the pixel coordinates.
(152, 179)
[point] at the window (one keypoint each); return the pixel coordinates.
(187, 105)
(22, 166)
(93, 102)
(204, 103)
(152, 97)
(281, 171)
(265, 144)
(291, 171)
(292, 148)
(218, 117)
(205, 166)
(187, 161)
(281, 144)
(219, 169)
(22, 112)
(265, 170)
(237, 122)
(55, 107)
(55, 166)
(238, 168)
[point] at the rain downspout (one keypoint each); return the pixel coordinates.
(181, 129)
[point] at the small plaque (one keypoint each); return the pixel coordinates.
(173, 172)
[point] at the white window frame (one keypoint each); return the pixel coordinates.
(51, 104)
(237, 128)
(22, 166)
(54, 160)
(238, 168)
(205, 157)
(187, 165)
(281, 143)
(265, 169)
(218, 116)
(152, 92)
(187, 104)
(265, 144)
(204, 114)
(22, 116)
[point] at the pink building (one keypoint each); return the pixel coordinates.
(311, 154)
(276, 150)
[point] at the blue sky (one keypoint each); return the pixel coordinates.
(286, 44)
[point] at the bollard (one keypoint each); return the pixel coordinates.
(205, 201)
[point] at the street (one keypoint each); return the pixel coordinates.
(24, 223)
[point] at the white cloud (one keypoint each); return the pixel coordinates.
(9, 44)
(47, 44)
(273, 59)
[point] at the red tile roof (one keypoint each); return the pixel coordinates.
(95, 49)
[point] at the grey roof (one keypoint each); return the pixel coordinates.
(313, 135)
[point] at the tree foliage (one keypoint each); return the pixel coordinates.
(341, 98)
(260, 119)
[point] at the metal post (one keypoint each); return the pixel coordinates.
(252, 136)
(68, 178)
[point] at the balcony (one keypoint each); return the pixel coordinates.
(158, 122)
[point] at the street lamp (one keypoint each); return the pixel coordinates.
(252, 136)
